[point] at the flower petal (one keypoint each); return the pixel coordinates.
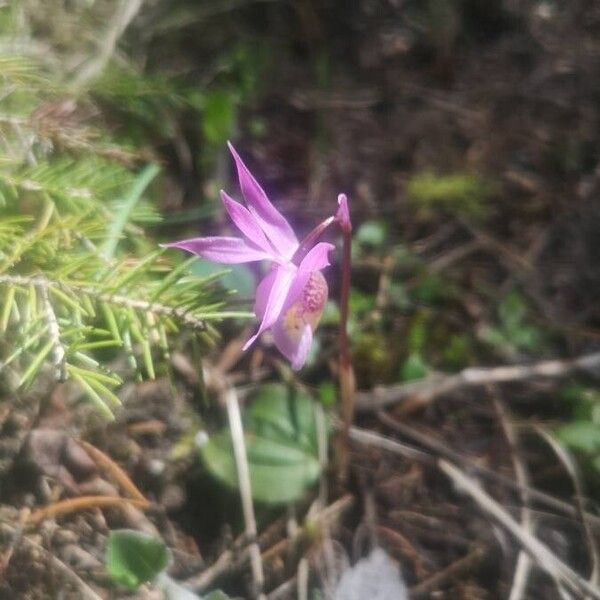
(228, 250)
(295, 350)
(316, 259)
(272, 222)
(246, 222)
(301, 353)
(282, 281)
(263, 289)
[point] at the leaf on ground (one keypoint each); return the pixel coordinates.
(581, 435)
(133, 558)
(281, 445)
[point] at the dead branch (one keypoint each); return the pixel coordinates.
(523, 566)
(418, 393)
(538, 551)
(458, 567)
(437, 448)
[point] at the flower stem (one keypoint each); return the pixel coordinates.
(346, 372)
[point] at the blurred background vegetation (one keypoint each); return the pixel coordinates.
(466, 135)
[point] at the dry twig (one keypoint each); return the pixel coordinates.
(82, 503)
(462, 565)
(523, 567)
(226, 561)
(571, 467)
(439, 449)
(114, 471)
(418, 393)
(243, 471)
(543, 556)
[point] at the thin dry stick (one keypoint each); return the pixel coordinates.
(523, 567)
(544, 557)
(303, 573)
(82, 503)
(285, 590)
(423, 391)
(243, 471)
(462, 565)
(126, 12)
(440, 449)
(571, 467)
(114, 471)
(226, 561)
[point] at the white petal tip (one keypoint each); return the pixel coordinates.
(249, 343)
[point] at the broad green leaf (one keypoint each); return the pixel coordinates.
(581, 435)
(279, 474)
(281, 446)
(414, 367)
(284, 415)
(372, 233)
(133, 558)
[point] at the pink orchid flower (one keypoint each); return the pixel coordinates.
(290, 299)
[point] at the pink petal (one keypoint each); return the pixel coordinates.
(343, 213)
(272, 222)
(303, 348)
(315, 260)
(296, 351)
(282, 281)
(246, 222)
(317, 257)
(263, 289)
(228, 250)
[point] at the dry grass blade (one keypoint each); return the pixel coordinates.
(243, 469)
(543, 556)
(569, 464)
(114, 471)
(523, 566)
(82, 503)
(438, 448)
(462, 565)
(418, 393)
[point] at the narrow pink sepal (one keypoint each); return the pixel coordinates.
(245, 221)
(227, 250)
(272, 222)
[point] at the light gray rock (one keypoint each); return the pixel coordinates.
(376, 577)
